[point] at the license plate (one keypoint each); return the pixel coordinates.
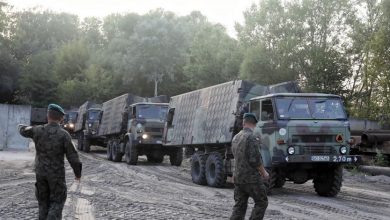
(320, 158)
(158, 142)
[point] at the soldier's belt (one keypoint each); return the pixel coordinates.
(317, 159)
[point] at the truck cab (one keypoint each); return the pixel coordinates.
(70, 121)
(92, 120)
(146, 122)
(304, 136)
(144, 134)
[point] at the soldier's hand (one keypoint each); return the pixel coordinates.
(265, 175)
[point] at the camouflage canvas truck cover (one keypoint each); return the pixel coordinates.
(87, 126)
(206, 120)
(304, 136)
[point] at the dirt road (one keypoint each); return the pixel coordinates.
(159, 191)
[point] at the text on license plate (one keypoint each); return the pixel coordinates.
(320, 158)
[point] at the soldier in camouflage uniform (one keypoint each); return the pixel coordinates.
(248, 172)
(51, 144)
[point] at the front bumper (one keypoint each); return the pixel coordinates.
(348, 159)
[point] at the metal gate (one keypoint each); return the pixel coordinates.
(10, 117)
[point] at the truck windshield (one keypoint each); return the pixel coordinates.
(93, 115)
(310, 108)
(152, 111)
(72, 116)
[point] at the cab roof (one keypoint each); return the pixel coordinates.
(312, 95)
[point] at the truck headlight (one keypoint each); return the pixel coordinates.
(145, 136)
(89, 125)
(343, 150)
(291, 150)
(71, 125)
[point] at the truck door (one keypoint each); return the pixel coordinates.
(266, 127)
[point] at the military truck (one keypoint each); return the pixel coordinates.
(69, 121)
(304, 136)
(133, 126)
(87, 126)
(370, 138)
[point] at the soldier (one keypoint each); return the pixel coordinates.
(248, 172)
(51, 144)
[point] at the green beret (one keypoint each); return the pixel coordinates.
(57, 108)
(250, 115)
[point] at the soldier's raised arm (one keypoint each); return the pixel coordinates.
(26, 130)
(72, 156)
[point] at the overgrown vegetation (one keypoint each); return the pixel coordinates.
(333, 46)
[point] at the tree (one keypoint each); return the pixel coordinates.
(156, 47)
(38, 83)
(213, 57)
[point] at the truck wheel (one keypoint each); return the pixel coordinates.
(215, 171)
(116, 153)
(80, 141)
(131, 154)
(86, 145)
(276, 180)
(198, 168)
(329, 183)
(176, 157)
(109, 152)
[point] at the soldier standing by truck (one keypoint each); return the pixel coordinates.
(248, 170)
(51, 144)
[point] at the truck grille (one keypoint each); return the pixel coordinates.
(319, 150)
(313, 138)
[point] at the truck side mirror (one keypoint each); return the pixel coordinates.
(171, 113)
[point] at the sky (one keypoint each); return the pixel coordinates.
(225, 12)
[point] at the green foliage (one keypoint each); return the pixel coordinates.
(38, 82)
(333, 46)
(213, 57)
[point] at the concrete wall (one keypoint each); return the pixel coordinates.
(10, 117)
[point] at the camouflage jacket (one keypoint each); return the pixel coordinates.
(51, 144)
(246, 151)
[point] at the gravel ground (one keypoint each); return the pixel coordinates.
(111, 190)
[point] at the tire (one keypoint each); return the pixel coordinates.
(329, 183)
(276, 180)
(109, 151)
(176, 157)
(198, 168)
(80, 138)
(86, 145)
(131, 154)
(116, 153)
(215, 170)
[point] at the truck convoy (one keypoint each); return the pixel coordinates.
(304, 136)
(128, 126)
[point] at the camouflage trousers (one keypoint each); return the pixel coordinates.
(242, 192)
(51, 196)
